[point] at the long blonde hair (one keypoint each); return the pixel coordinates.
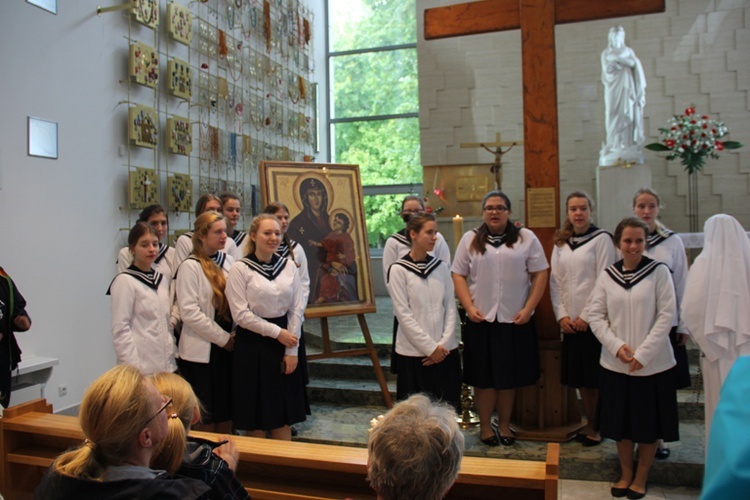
(254, 229)
(114, 410)
(214, 273)
(185, 406)
(566, 230)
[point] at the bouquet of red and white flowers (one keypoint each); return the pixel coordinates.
(692, 138)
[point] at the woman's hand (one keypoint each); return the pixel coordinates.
(286, 338)
(580, 325)
(229, 346)
(474, 314)
(437, 356)
(635, 365)
(566, 325)
(290, 364)
(682, 339)
(522, 317)
(228, 453)
(625, 354)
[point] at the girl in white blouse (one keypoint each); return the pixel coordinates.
(631, 312)
(422, 293)
(397, 245)
(266, 299)
(665, 246)
(499, 273)
(141, 304)
(581, 252)
(206, 342)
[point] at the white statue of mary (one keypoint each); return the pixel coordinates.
(624, 99)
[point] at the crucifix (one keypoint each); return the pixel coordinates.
(497, 165)
(548, 410)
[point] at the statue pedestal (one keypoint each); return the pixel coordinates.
(615, 188)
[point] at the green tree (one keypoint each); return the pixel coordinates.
(373, 84)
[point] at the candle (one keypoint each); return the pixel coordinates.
(458, 230)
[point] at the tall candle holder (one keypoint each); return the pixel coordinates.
(468, 417)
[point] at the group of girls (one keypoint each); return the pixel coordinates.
(615, 299)
(239, 312)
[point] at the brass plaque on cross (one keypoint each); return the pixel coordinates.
(541, 210)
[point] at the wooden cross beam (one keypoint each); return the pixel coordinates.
(548, 408)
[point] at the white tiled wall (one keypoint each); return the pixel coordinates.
(697, 52)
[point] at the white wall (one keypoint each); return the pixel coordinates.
(60, 220)
(697, 52)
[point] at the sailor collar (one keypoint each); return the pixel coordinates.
(628, 279)
(269, 270)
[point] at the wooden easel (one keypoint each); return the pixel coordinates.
(369, 350)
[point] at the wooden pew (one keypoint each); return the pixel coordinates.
(32, 437)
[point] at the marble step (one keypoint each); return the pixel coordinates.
(354, 367)
(348, 392)
(348, 425)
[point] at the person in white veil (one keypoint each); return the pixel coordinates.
(716, 305)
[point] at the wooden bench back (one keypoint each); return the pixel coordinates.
(32, 437)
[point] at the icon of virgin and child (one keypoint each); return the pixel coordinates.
(325, 237)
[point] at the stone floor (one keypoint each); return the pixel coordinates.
(585, 472)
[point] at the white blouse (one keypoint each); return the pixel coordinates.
(640, 316)
(499, 280)
(671, 251)
(195, 298)
(141, 333)
(574, 273)
(396, 246)
(425, 308)
(252, 297)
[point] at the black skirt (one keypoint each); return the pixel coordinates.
(500, 355)
(580, 360)
(212, 383)
(639, 409)
(441, 381)
(682, 370)
(264, 397)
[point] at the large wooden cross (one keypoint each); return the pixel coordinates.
(548, 407)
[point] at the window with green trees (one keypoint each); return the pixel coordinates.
(372, 59)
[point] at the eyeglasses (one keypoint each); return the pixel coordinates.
(167, 402)
(495, 208)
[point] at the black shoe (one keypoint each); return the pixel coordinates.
(507, 441)
(634, 495)
(491, 441)
(663, 453)
(294, 431)
(619, 492)
(588, 442)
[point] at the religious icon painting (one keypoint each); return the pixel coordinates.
(144, 65)
(327, 218)
(143, 187)
(146, 12)
(143, 126)
(180, 192)
(179, 136)
(179, 23)
(180, 82)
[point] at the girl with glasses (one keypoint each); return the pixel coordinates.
(499, 273)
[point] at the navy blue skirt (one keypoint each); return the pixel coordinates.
(639, 409)
(441, 381)
(264, 398)
(500, 355)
